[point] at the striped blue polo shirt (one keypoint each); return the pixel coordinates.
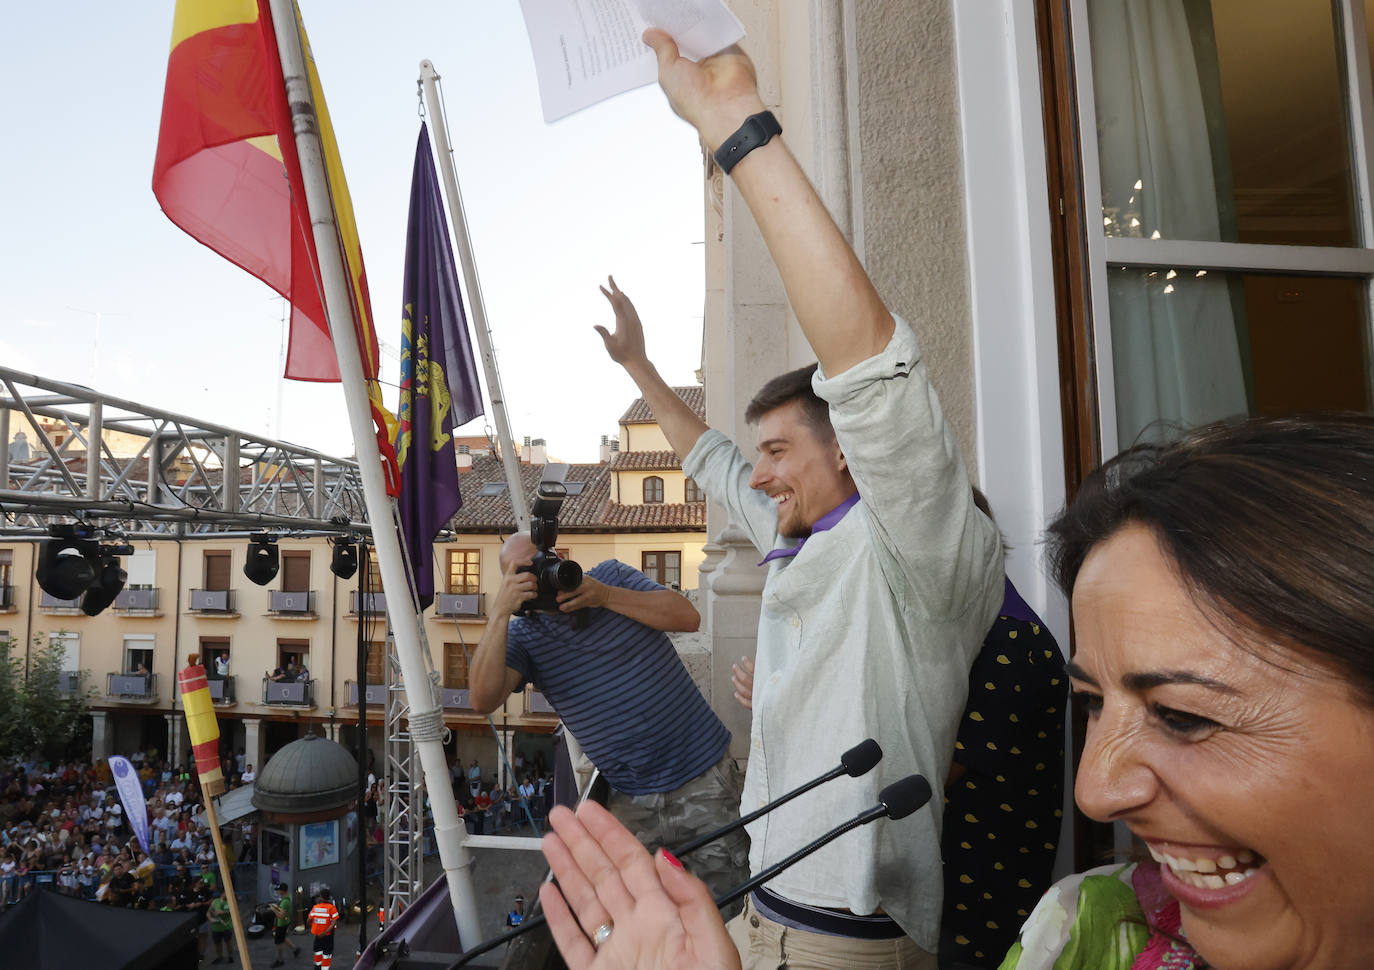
(622, 690)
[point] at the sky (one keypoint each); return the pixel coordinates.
(99, 288)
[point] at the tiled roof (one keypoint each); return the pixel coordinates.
(644, 461)
(591, 511)
(641, 413)
(655, 516)
(485, 513)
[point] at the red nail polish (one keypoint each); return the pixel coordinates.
(672, 859)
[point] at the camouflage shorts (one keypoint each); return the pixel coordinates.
(707, 802)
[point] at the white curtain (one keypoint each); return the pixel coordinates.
(1175, 353)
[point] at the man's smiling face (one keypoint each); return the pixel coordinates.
(803, 472)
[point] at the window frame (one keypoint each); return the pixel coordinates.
(657, 481)
(691, 491)
(660, 572)
(473, 574)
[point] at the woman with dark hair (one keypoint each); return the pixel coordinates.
(1221, 590)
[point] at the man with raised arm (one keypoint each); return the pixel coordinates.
(882, 574)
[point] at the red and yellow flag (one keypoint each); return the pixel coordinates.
(227, 172)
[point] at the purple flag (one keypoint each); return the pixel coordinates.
(131, 794)
(439, 389)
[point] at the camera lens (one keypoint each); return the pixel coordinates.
(563, 575)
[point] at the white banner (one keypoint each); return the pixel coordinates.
(131, 795)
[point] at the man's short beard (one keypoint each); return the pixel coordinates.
(795, 532)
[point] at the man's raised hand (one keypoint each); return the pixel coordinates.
(714, 94)
(517, 588)
(626, 345)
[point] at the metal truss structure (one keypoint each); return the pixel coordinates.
(156, 474)
(403, 872)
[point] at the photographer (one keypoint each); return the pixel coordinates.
(618, 684)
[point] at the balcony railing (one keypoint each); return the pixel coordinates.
(455, 698)
(537, 703)
(290, 693)
(47, 601)
(136, 599)
(461, 604)
(370, 602)
(135, 688)
(212, 601)
(69, 682)
(376, 693)
(6, 596)
(293, 603)
(222, 690)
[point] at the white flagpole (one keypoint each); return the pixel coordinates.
(458, 217)
(426, 716)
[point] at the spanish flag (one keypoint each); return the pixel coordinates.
(226, 172)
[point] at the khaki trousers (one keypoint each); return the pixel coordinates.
(766, 945)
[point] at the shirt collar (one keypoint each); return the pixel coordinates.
(823, 524)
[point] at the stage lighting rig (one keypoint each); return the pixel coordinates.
(263, 559)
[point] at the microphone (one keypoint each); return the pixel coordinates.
(897, 800)
(858, 760)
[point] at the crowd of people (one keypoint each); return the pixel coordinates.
(62, 826)
(487, 807)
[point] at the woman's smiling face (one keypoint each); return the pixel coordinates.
(1247, 770)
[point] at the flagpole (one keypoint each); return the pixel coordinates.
(426, 720)
(457, 215)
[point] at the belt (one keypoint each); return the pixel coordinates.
(818, 919)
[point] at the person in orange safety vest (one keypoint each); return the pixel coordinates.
(322, 919)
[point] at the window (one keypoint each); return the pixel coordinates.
(1229, 268)
(455, 666)
(691, 491)
(138, 653)
(295, 571)
(70, 645)
(212, 650)
(293, 656)
(465, 571)
(653, 489)
(492, 488)
(376, 663)
(664, 568)
(6, 578)
(372, 578)
(217, 570)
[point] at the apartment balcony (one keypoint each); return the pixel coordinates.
(131, 688)
(455, 699)
(537, 703)
(69, 682)
(136, 601)
(288, 693)
(7, 598)
(222, 690)
(213, 602)
(461, 604)
(376, 694)
(293, 604)
(372, 604)
(48, 603)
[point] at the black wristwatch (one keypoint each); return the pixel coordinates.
(756, 131)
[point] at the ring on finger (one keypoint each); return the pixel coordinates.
(602, 934)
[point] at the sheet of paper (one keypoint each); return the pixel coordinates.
(588, 50)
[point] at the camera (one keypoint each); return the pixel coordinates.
(555, 574)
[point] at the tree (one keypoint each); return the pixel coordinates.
(51, 718)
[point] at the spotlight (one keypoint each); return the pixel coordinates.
(67, 562)
(263, 561)
(345, 562)
(109, 579)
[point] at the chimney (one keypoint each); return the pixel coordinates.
(605, 448)
(525, 451)
(464, 458)
(615, 445)
(538, 451)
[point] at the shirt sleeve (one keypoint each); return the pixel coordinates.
(716, 464)
(612, 572)
(911, 476)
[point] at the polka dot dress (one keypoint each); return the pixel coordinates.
(1002, 815)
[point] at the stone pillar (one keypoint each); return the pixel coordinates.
(100, 740)
(252, 743)
(175, 729)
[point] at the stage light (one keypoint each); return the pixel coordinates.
(263, 561)
(67, 562)
(345, 561)
(109, 580)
